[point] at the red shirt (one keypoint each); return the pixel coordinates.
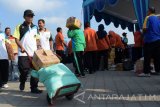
(103, 44)
(138, 39)
(119, 43)
(115, 40)
(59, 41)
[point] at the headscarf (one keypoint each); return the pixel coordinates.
(101, 32)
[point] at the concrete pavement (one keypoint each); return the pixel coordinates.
(101, 89)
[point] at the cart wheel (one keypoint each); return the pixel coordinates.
(70, 97)
(50, 102)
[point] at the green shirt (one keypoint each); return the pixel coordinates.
(78, 39)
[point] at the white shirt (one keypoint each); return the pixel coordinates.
(3, 50)
(29, 42)
(44, 39)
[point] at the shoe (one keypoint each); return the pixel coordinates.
(5, 86)
(86, 70)
(22, 86)
(106, 69)
(90, 72)
(77, 75)
(155, 73)
(144, 75)
(148, 75)
(0, 89)
(36, 91)
(83, 76)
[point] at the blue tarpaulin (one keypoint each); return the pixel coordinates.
(141, 7)
(98, 9)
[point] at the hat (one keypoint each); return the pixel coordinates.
(124, 33)
(28, 12)
(152, 9)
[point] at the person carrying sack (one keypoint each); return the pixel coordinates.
(78, 46)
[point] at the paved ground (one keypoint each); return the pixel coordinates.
(102, 89)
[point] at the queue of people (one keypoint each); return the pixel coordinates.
(86, 49)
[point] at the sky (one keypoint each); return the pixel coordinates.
(54, 12)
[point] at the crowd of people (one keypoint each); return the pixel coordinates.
(86, 49)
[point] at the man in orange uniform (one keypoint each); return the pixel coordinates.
(91, 48)
(59, 40)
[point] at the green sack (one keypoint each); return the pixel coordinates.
(55, 77)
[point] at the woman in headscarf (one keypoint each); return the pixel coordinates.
(103, 45)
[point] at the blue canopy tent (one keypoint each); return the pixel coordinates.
(126, 13)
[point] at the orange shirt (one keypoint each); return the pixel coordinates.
(112, 38)
(103, 44)
(137, 39)
(112, 41)
(70, 47)
(90, 37)
(59, 41)
(119, 43)
(13, 43)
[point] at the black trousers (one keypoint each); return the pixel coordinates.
(137, 51)
(90, 60)
(79, 55)
(24, 66)
(152, 50)
(126, 53)
(103, 54)
(119, 55)
(69, 58)
(61, 54)
(4, 72)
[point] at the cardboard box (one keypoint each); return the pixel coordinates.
(112, 54)
(110, 61)
(139, 66)
(44, 58)
(73, 22)
(119, 67)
